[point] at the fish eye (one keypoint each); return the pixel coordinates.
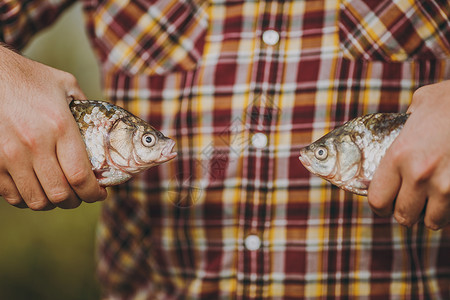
(321, 153)
(148, 140)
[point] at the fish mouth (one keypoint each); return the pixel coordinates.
(168, 153)
(304, 160)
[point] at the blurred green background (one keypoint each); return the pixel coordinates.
(51, 255)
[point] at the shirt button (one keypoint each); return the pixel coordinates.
(252, 242)
(270, 37)
(259, 140)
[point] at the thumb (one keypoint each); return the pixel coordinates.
(73, 90)
(418, 98)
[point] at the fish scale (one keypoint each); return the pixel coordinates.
(119, 144)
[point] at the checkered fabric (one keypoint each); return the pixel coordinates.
(236, 216)
(19, 20)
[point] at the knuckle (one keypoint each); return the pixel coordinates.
(58, 196)
(435, 221)
(418, 169)
(379, 206)
(433, 225)
(11, 151)
(404, 220)
(30, 140)
(398, 152)
(421, 171)
(443, 190)
(57, 125)
(442, 187)
(14, 201)
(376, 205)
(38, 204)
(79, 177)
(4, 190)
(10, 194)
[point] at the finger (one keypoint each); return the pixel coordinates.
(10, 193)
(411, 108)
(410, 203)
(29, 188)
(72, 156)
(20, 185)
(437, 213)
(73, 90)
(418, 98)
(384, 188)
(54, 183)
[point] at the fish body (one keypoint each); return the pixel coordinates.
(349, 155)
(119, 144)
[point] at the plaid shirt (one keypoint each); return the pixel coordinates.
(242, 86)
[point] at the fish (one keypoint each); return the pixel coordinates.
(119, 144)
(349, 155)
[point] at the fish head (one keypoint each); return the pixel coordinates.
(133, 145)
(320, 158)
(152, 147)
(336, 158)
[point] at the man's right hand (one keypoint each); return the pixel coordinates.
(43, 160)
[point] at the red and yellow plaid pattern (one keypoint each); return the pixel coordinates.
(20, 19)
(240, 110)
(395, 30)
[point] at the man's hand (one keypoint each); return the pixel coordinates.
(413, 178)
(43, 160)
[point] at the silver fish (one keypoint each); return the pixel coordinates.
(349, 155)
(118, 143)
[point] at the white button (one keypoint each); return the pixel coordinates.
(270, 37)
(259, 140)
(252, 242)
